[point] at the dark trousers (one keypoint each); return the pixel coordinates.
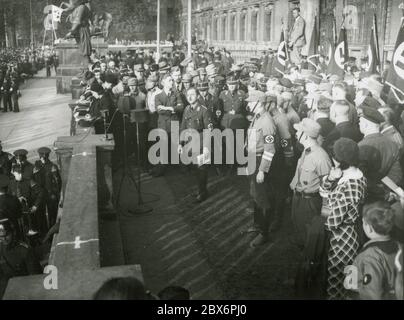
(48, 71)
(16, 107)
(7, 105)
(262, 219)
(304, 208)
(52, 206)
(201, 176)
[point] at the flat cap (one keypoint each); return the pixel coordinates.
(44, 150)
(202, 71)
(309, 127)
(371, 115)
(203, 86)
(138, 67)
(232, 80)
(187, 78)
(370, 102)
(163, 65)
(133, 82)
(154, 67)
(20, 152)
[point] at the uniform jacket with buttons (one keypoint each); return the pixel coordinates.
(215, 108)
(262, 140)
(311, 167)
(233, 103)
(198, 118)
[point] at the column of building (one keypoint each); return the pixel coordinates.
(309, 10)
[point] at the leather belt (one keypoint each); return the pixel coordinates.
(305, 195)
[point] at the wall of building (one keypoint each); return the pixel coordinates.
(248, 26)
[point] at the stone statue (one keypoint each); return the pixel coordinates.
(80, 19)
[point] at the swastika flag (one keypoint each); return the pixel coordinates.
(340, 55)
(373, 65)
(314, 46)
(395, 77)
(282, 58)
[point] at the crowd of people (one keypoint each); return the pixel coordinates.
(29, 203)
(18, 65)
(324, 143)
(329, 145)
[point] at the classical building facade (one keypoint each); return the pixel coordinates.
(246, 27)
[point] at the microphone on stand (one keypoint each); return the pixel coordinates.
(104, 114)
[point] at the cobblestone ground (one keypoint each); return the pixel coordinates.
(202, 246)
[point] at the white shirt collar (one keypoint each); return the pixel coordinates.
(387, 129)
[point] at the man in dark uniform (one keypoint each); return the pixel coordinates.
(7, 105)
(20, 160)
(17, 259)
(283, 166)
(234, 108)
(51, 182)
(261, 142)
(212, 103)
(14, 92)
(216, 110)
(197, 117)
(10, 206)
(5, 161)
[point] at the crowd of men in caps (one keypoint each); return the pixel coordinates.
(323, 144)
(29, 193)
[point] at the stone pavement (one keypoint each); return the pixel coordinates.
(43, 117)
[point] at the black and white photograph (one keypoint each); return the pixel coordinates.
(228, 151)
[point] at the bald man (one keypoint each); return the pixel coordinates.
(340, 113)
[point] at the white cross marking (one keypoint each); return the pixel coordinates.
(77, 242)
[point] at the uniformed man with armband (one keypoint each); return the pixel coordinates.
(262, 142)
(285, 165)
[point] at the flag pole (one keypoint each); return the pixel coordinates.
(189, 28)
(158, 32)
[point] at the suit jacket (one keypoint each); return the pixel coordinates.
(165, 117)
(298, 33)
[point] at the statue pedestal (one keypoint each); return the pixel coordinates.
(71, 63)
